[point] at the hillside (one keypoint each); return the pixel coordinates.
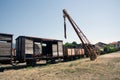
(106, 67)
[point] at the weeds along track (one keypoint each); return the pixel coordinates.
(106, 67)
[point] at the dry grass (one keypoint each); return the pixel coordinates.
(106, 67)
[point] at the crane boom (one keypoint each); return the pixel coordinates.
(85, 42)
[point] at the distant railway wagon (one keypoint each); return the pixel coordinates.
(6, 48)
(73, 52)
(31, 49)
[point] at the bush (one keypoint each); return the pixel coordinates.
(109, 49)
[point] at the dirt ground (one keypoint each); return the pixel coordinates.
(106, 67)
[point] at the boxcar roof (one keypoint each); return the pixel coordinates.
(6, 34)
(39, 39)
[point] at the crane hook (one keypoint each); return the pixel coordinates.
(65, 27)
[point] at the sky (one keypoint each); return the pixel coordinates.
(98, 19)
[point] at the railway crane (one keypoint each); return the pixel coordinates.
(89, 48)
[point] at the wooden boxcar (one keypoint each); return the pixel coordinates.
(6, 48)
(30, 49)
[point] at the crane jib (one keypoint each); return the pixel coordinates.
(85, 42)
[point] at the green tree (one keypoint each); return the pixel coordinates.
(67, 44)
(73, 44)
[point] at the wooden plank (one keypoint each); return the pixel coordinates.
(77, 52)
(28, 41)
(54, 50)
(69, 52)
(5, 45)
(60, 48)
(61, 53)
(29, 50)
(73, 51)
(82, 51)
(5, 58)
(28, 45)
(5, 38)
(5, 50)
(5, 54)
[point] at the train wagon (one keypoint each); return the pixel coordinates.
(73, 53)
(6, 48)
(32, 49)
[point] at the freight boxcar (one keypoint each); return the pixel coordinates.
(6, 48)
(32, 49)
